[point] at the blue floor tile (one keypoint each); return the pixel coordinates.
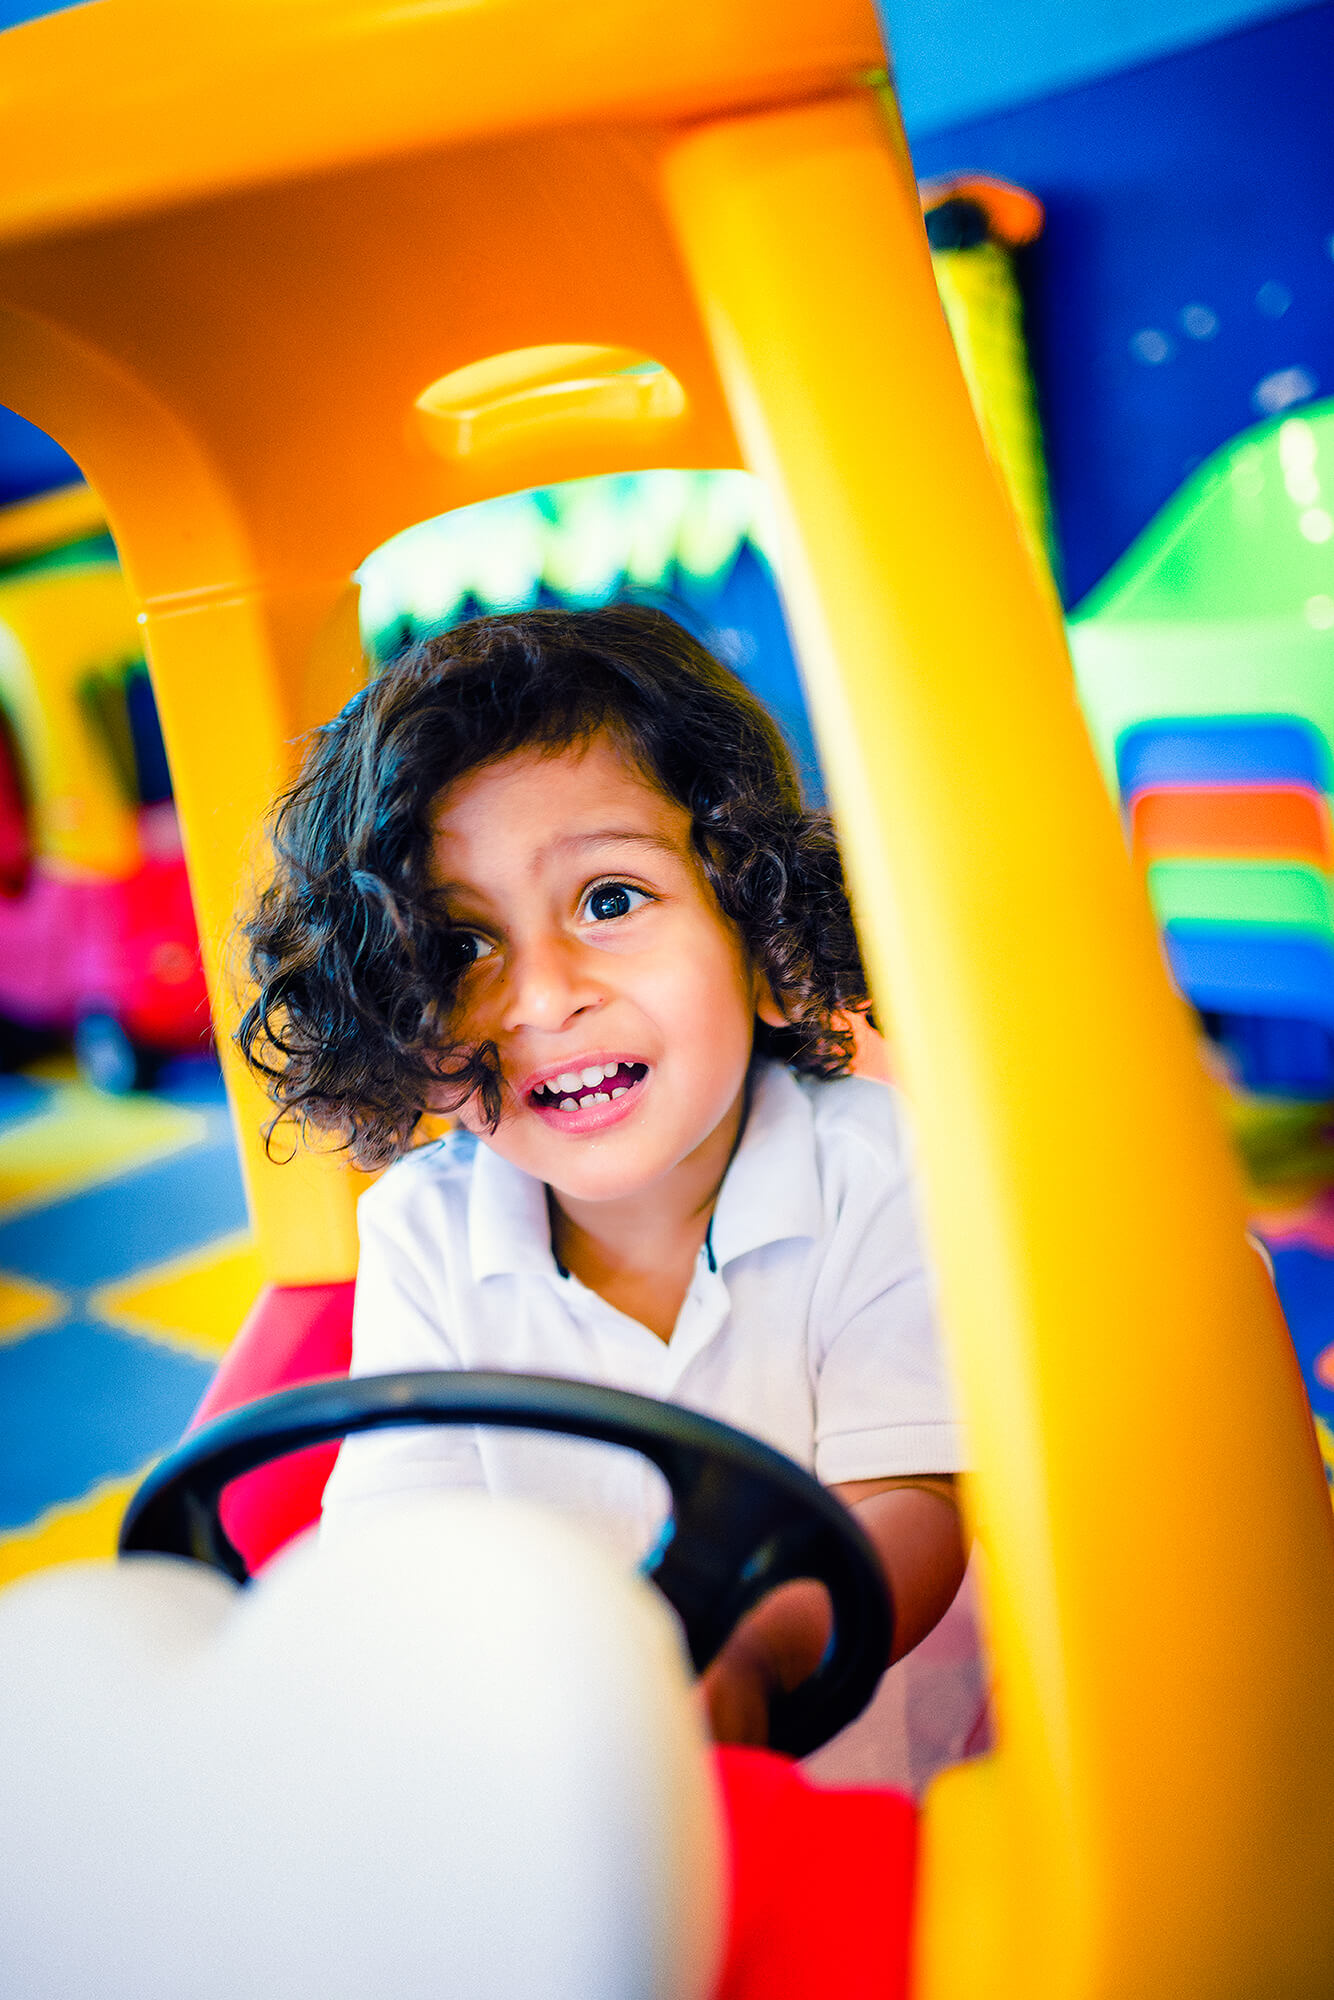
(194, 1079)
(1305, 1281)
(80, 1403)
(21, 1097)
(132, 1222)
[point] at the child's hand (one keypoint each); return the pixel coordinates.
(914, 1528)
(735, 1694)
(776, 1647)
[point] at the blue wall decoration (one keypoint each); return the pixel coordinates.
(1184, 284)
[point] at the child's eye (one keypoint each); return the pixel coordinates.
(608, 900)
(465, 948)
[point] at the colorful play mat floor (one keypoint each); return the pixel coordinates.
(126, 1268)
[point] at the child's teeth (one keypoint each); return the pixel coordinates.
(572, 1090)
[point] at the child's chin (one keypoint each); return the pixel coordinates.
(599, 1183)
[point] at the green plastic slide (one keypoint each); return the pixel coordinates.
(1225, 604)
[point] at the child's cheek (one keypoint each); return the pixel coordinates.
(472, 1117)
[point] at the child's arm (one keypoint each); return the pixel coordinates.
(917, 1534)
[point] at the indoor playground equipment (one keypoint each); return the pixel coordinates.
(702, 544)
(697, 544)
(580, 544)
(286, 279)
(1206, 668)
(975, 224)
(97, 934)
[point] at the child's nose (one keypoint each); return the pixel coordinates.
(551, 980)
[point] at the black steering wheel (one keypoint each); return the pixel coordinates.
(744, 1518)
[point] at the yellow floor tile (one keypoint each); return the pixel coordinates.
(75, 1531)
(25, 1306)
(196, 1302)
(60, 1067)
(82, 1136)
(1326, 1440)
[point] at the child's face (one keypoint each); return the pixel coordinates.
(620, 998)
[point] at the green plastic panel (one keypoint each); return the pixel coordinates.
(1225, 604)
(1242, 892)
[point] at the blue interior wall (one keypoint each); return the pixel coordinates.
(1184, 284)
(14, 11)
(962, 59)
(30, 461)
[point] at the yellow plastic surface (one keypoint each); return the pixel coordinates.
(397, 193)
(1155, 1820)
(178, 101)
(57, 627)
(547, 390)
(65, 514)
(980, 294)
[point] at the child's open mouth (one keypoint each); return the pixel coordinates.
(594, 1087)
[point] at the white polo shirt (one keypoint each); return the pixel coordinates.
(815, 1331)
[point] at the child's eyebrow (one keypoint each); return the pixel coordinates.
(566, 843)
(604, 836)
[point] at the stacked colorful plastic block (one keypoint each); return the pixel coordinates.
(1206, 666)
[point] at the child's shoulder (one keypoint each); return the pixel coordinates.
(858, 1121)
(431, 1174)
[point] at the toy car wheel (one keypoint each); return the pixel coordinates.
(108, 1059)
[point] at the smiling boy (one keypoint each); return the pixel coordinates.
(553, 874)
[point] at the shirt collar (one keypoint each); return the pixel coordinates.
(770, 1192)
(772, 1189)
(509, 1228)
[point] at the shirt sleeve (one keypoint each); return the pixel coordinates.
(396, 1324)
(883, 1403)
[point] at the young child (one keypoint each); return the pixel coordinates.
(551, 873)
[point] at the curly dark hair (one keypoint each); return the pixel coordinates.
(350, 954)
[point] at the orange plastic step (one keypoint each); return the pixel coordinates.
(1287, 822)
